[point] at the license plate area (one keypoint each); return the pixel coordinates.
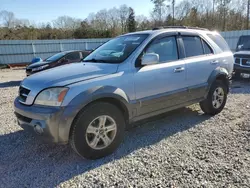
(244, 75)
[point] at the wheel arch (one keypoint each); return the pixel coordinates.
(109, 94)
(219, 73)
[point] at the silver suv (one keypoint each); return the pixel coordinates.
(129, 78)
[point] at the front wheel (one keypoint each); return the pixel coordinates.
(216, 98)
(98, 131)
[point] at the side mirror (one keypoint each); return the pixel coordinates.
(150, 59)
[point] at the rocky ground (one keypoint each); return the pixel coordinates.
(183, 148)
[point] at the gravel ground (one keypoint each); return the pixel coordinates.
(184, 148)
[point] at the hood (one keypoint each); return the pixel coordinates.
(37, 64)
(68, 74)
(242, 53)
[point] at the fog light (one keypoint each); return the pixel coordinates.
(38, 129)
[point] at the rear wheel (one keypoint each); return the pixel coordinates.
(216, 98)
(98, 131)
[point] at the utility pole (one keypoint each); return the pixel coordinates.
(173, 5)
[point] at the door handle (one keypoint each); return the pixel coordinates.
(215, 62)
(179, 69)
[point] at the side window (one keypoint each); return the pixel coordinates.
(193, 46)
(73, 56)
(85, 54)
(166, 48)
(207, 48)
(219, 40)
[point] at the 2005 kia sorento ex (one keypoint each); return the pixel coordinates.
(129, 78)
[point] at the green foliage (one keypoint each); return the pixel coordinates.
(131, 20)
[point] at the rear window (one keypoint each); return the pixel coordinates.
(73, 56)
(193, 46)
(220, 42)
(207, 48)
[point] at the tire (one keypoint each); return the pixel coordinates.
(80, 138)
(207, 106)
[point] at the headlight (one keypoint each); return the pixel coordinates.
(51, 96)
(39, 68)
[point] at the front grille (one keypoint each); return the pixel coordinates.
(245, 62)
(242, 61)
(23, 94)
(23, 118)
(237, 60)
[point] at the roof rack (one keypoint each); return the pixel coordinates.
(179, 27)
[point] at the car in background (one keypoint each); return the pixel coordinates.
(56, 60)
(242, 56)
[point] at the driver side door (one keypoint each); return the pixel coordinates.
(162, 85)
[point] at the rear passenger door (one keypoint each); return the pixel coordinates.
(200, 63)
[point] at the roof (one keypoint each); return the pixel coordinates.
(69, 51)
(171, 29)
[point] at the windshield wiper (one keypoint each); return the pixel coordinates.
(95, 60)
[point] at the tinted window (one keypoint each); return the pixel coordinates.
(55, 57)
(73, 56)
(166, 48)
(220, 42)
(207, 48)
(193, 46)
(243, 43)
(85, 54)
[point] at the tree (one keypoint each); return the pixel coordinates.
(212, 14)
(123, 15)
(21, 23)
(113, 20)
(182, 11)
(142, 22)
(131, 20)
(193, 17)
(48, 26)
(159, 11)
(169, 20)
(7, 18)
(66, 23)
(223, 10)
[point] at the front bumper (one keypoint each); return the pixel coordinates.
(44, 121)
(241, 69)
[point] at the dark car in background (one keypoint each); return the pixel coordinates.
(242, 56)
(56, 60)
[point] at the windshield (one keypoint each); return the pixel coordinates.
(55, 57)
(244, 43)
(116, 50)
